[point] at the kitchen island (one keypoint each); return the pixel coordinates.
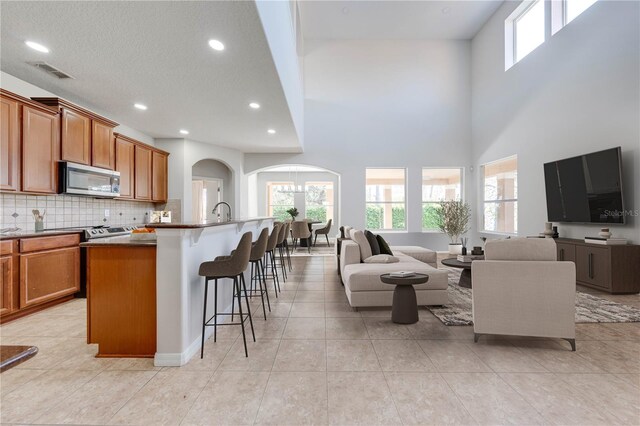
(180, 249)
(121, 296)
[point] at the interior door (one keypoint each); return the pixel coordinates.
(206, 193)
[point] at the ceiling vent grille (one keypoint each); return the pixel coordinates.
(50, 69)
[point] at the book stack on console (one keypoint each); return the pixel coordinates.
(606, 241)
(469, 257)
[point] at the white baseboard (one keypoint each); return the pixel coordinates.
(178, 359)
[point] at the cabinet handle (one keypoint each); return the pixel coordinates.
(561, 254)
(591, 265)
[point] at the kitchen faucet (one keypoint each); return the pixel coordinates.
(216, 208)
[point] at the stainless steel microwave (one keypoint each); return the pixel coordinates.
(78, 179)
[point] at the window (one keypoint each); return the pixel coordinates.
(500, 196)
(279, 200)
(573, 8)
(385, 197)
(565, 11)
(524, 31)
(438, 185)
(319, 201)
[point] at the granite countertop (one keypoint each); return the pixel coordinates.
(206, 224)
(118, 242)
(23, 233)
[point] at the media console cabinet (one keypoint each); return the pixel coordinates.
(614, 269)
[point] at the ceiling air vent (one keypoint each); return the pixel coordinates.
(50, 69)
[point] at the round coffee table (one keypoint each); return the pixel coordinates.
(405, 305)
(465, 275)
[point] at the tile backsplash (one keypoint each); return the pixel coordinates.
(66, 211)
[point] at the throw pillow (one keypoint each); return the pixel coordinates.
(384, 247)
(382, 258)
(347, 232)
(359, 238)
(373, 242)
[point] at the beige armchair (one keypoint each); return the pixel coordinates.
(520, 289)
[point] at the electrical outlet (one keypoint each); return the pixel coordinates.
(106, 212)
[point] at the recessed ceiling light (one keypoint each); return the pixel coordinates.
(140, 106)
(446, 10)
(37, 46)
(271, 132)
(184, 132)
(345, 10)
(254, 105)
(216, 44)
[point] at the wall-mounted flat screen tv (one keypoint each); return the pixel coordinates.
(585, 189)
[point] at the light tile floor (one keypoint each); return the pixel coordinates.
(318, 361)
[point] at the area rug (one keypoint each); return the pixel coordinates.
(589, 309)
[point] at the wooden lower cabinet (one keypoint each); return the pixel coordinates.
(6, 293)
(121, 301)
(48, 275)
(614, 269)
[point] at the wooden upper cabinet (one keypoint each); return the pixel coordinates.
(102, 145)
(159, 176)
(85, 137)
(10, 144)
(40, 150)
(125, 163)
(143, 178)
(75, 137)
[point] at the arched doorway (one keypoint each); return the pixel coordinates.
(313, 191)
(211, 183)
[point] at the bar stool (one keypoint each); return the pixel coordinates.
(258, 249)
(286, 243)
(232, 267)
(270, 258)
(282, 235)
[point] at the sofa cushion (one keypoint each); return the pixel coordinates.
(419, 253)
(381, 258)
(384, 247)
(359, 238)
(373, 242)
(366, 277)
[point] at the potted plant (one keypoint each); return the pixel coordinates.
(293, 212)
(453, 219)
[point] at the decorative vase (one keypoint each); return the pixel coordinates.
(548, 230)
(604, 233)
(455, 248)
(555, 232)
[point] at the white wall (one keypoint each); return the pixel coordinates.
(384, 104)
(28, 90)
(576, 93)
(279, 27)
(184, 153)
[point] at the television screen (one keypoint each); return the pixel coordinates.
(585, 189)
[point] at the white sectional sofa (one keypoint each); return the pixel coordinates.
(362, 280)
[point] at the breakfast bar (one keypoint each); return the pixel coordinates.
(180, 248)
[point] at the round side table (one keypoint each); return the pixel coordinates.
(405, 305)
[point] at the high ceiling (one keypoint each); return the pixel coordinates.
(157, 53)
(383, 20)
